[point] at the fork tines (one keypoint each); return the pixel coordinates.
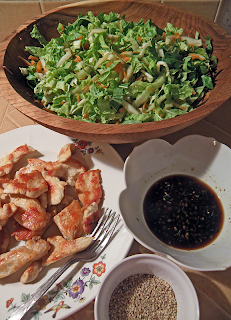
(105, 228)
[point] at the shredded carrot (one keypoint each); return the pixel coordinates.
(140, 78)
(176, 36)
(120, 25)
(114, 40)
(100, 85)
(39, 67)
(5, 67)
(126, 58)
(78, 97)
(63, 101)
(32, 63)
(62, 27)
(144, 106)
(163, 35)
(86, 116)
(33, 58)
(196, 56)
(108, 64)
(24, 60)
(80, 37)
(128, 100)
(77, 59)
(139, 39)
(86, 89)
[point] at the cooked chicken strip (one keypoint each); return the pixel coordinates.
(31, 273)
(4, 240)
(90, 217)
(66, 152)
(55, 169)
(31, 184)
(68, 170)
(30, 213)
(56, 189)
(7, 162)
(15, 259)
(61, 248)
(70, 221)
(7, 211)
(73, 168)
(88, 187)
(22, 233)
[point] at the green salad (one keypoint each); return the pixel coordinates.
(103, 69)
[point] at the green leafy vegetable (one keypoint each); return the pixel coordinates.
(107, 70)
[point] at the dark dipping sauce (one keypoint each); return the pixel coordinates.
(183, 212)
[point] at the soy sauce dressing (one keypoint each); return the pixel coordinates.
(183, 212)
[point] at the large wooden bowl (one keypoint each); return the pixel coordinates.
(14, 88)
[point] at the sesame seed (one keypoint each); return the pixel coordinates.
(143, 296)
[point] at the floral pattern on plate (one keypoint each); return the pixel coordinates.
(73, 287)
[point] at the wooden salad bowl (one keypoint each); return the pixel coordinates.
(14, 88)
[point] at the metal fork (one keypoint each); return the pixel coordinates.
(103, 233)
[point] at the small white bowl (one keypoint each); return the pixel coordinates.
(187, 301)
(198, 156)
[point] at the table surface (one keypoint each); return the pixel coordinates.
(213, 288)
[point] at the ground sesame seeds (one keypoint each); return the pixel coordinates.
(143, 296)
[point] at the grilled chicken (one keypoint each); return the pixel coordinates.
(70, 221)
(90, 218)
(7, 211)
(60, 248)
(30, 213)
(56, 189)
(68, 170)
(15, 259)
(88, 187)
(66, 152)
(4, 240)
(7, 162)
(31, 184)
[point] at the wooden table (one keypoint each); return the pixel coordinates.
(213, 288)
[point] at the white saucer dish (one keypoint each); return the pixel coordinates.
(187, 301)
(198, 156)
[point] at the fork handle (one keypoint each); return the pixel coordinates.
(21, 311)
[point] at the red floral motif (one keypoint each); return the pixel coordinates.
(8, 302)
(99, 268)
(82, 144)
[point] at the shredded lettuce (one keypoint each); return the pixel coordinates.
(104, 69)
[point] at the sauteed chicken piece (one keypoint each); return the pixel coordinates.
(27, 182)
(7, 211)
(70, 221)
(7, 162)
(43, 192)
(15, 259)
(4, 240)
(88, 187)
(30, 213)
(60, 248)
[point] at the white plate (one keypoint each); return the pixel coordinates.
(202, 157)
(79, 285)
